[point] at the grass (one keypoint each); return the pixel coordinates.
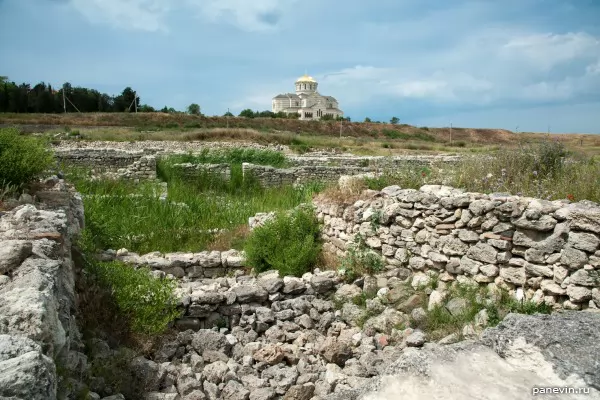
(439, 322)
(545, 170)
(185, 222)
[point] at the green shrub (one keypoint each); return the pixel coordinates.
(289, 243)
(360, 260)
(148, 302)
(22, 157)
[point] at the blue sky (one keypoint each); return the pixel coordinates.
(479, 63)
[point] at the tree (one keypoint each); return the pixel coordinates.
(394, 120)
(193, 109)
(247, 113)
(367, 119)
(228, 114)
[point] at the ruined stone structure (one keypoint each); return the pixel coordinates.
(307, 102)
(545, 251)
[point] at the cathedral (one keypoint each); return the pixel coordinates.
(307, 102)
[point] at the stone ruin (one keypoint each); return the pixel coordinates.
(269, 337)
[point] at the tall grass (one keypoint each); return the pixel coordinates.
(190, 218)
(543, 170)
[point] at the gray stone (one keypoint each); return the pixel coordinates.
(483, 252)
(573, 258)
(265, 393)
(25, 372)
(584, 241)
(544, 224)
(215, 372)
(234, 390)
(416, 339)
(250, 294)
(13, 253)
(206, 339)
(300, 392)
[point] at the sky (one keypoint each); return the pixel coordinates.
(525, 65)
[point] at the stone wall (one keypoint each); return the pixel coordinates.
(542, 250)
(133, 165)
(270, 176)
(37, 323)
(190, 170)
(370, 161)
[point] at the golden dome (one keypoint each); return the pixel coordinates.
(306, 78)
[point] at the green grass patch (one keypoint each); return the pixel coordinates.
(22, 157)
(121, 215)
(289, 243)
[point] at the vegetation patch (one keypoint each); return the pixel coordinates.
(22, 158)
(463, 303)
(360, 260)
(289, 243)
(196, 212)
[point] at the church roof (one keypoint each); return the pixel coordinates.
(330, 98)
(286, 96)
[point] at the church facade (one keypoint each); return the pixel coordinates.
(307, 102)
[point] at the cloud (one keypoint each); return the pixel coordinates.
(150, 15)
(507, 68)
(146, 15)
(256, 15)
(545, 51)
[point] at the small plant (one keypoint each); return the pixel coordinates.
(360, 260)
(289, 243)
(22, 157)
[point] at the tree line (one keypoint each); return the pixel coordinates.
(43, 98)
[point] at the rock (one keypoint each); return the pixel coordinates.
(436, 298)
(13, 253)
(386, 321)
(271, 285)
(348, 292)
(263, 394)
(293, 286)
(583, 241)
(457, 306)
(415, 339)
(271, 354)
(352, 314)
(578, 294)
(322, 284)
(544, 224)
(250, 294)
(234, 390)
(335, 351)
(206, 339)
(215, 372)
(573, 258)
(25, 372)
(300, 392)
(483, 252)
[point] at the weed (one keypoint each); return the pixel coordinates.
(360, 260)
(289, 243)
(22, 157)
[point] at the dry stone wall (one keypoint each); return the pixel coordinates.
(37, 323)
(270, 176)
(541, 250)
(190, 170)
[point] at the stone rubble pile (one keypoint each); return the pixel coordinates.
(544, 251)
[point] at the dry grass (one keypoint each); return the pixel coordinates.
(230, 239)
(328, 261)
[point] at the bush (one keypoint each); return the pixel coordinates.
(22, 158)
(360, 260)
(148, 302)
(289, 243)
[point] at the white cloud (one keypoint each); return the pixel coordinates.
(256, 15)
(487, 67)
(548, 50)
(147, 15)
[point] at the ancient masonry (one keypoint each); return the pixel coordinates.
(542, 250)
(296, 338)
(139, 165)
